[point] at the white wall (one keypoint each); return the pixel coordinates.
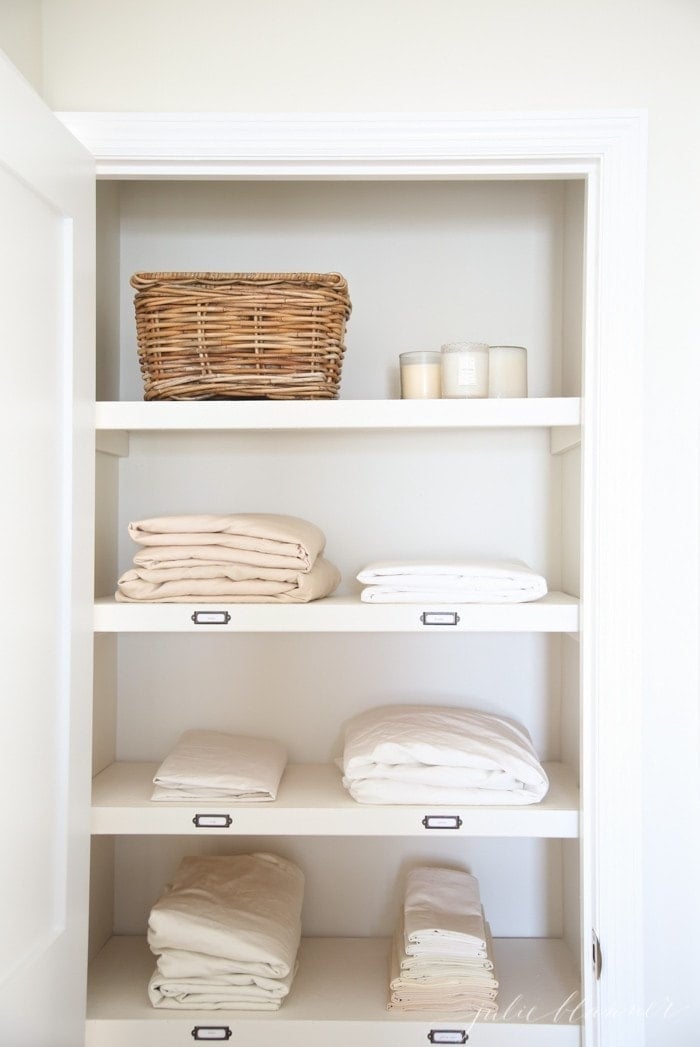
(382, 55)
(346, 54)
(20, 37)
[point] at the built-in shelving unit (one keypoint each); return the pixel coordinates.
(339, 992)
(384, 478)
(554, 613)
(115, 421)
(311, 801)
(159, 415)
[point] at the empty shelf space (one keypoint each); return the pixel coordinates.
(556, 612)
(339, 996)
(312, 801)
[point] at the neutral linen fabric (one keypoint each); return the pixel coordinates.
(442, 952)
(409, 754)
(447, 970)
(442, 914)
(212, 765)
(265, 539)
(235, 558)
(467, 581)
(235, 993)
(468, 994)
(444, 968)
(214, 583)
(226, 933)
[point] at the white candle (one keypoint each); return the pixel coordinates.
(420, 375)
(507, 370)
(465, 369)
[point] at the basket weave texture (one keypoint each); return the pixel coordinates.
(230, 336)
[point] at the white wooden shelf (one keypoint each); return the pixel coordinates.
(556, 613)
(221, 415)
(339, 997)
(312, 801)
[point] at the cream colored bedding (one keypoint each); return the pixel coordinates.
(213, 765)
(226, 933)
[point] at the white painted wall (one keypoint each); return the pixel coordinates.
(20, 37)
(412, 55)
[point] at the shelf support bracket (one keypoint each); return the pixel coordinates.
(114, 442)
(564, 438)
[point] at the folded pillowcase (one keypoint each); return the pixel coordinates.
(467, 581)
(213, 765)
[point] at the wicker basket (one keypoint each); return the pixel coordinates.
(240, 336)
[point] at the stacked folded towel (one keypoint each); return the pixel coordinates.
(440, 755)
(226, 933)
(467, 581)
(243, 558)
(442, 956)
(210, 765)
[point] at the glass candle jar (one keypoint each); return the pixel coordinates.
(507, 370)
(465, 369)
(420, 375)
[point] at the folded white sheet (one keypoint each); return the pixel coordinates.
(461, 581)
(211, 765)
(445, 970)
(413, 754)
(245, 909)
(442, 914)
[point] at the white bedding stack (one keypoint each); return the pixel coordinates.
(451, 582)
(442, 956)
(439, 754)
(226, 933)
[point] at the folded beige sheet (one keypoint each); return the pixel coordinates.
(266, 539)
(245, 909)
(213, 583)
(212, 765)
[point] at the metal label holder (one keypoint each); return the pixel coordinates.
(439, 618)
(211, 1032)
(212, 821)
(442, 821)
(211, 617)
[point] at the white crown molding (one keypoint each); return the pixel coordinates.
(206, 145)
(608, 151)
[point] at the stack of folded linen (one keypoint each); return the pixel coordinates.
(242, 558)
(461, 581)
(442, 956)
(226, 933)
(211, 765)
(439, 754)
